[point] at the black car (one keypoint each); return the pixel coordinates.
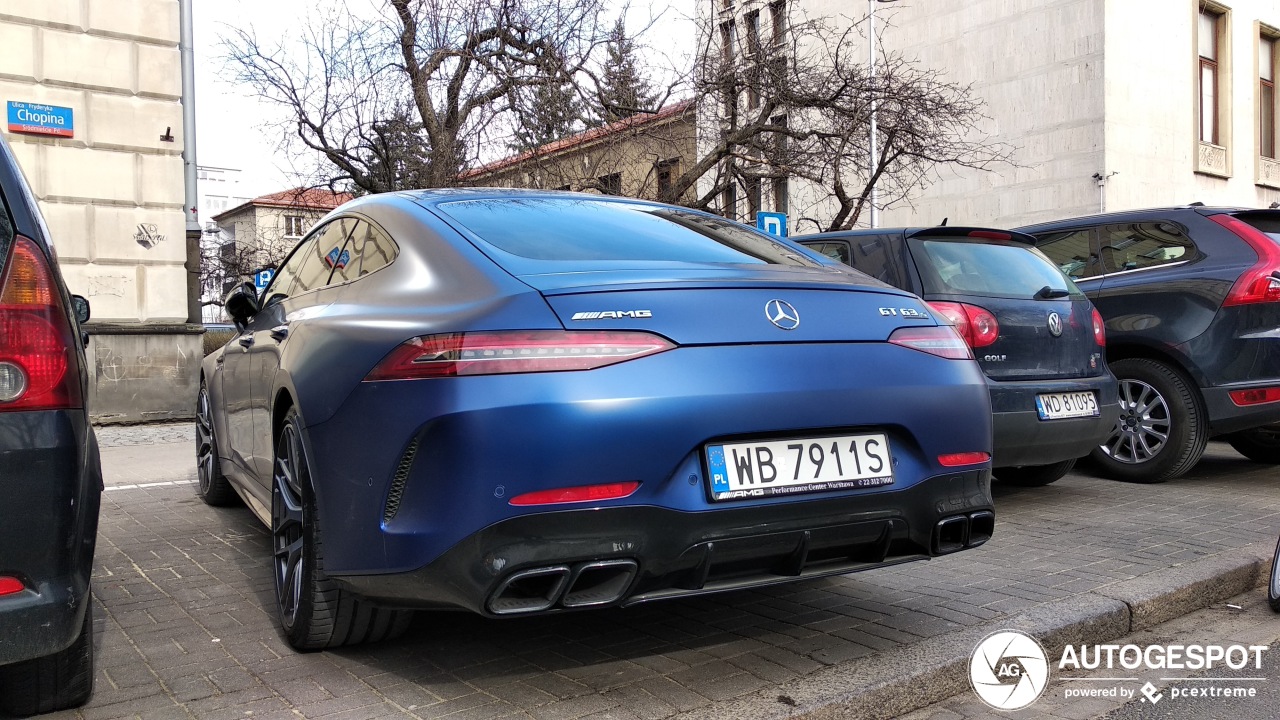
(1191, 300)
(1037, 338)
(50, 476)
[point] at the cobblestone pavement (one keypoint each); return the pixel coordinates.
(185, 626)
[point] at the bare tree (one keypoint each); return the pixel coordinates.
(450, 67)
(790, 101)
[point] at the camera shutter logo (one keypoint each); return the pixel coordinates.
(1008, 670)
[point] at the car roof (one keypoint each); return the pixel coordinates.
(1137, 214)
(955, 231)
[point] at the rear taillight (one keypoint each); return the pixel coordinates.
(1099, 329)
(520, 351)
(976, 325)
(1256, 396)
(941, 340)
(36, 365)
(1261, 282)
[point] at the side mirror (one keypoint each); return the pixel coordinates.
(80, 306)
(242, 303)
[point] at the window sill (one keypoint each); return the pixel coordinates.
(1212, 160)
(1268, 173)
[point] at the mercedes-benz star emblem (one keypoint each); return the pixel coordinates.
(1055, 324)
(781, 313)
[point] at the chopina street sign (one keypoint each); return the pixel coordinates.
(40, 119)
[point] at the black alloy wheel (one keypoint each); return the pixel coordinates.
(289, 526)
(1261, 445)
(314, 612)
(213, 487)
(1161, 432)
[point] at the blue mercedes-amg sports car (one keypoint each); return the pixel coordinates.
(528, 402)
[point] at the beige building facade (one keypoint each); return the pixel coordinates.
(640, 157)
(1099, 100)
(111, 189)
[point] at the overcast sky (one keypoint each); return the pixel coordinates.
(229, 130)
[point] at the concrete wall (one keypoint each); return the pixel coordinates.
(1038, 67)
(113, 193)
(1152, 96)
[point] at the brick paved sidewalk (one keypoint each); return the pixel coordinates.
(185, 626)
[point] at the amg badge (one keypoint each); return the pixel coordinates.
(612, 315)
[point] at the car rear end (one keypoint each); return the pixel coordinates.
(1038, 339)
(679, 427)
(50, 480)
(1238, 353)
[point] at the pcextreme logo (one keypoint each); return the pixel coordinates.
(1008, 670)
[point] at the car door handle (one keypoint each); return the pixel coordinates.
(280, 332)
(246, 341)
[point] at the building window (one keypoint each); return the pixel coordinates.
(295, 226)
(666, 172)
(1208, 32)
(729, 199)
(778, 15)
(227, 252)
(611, 184)
(753, 184)
(753, 31)
(727, 32)
(1267, 97)
(781, 192)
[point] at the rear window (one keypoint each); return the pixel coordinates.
(993, 269)
(574, 230)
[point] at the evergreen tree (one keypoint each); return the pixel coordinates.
(624, 90)
(548, 111)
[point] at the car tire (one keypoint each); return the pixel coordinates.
(1261, 445)
(1034, 475)
(1162, 430)
(1273, 584)
(213, 487)
(54, 682)
(315, 613)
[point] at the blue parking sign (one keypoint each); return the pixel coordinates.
(262, 278)
(772, 223)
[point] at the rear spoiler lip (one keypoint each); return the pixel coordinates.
(959, 232)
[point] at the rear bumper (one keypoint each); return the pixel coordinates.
(1227, 417)
(1022, 438)
(622, 556)
(51, 480)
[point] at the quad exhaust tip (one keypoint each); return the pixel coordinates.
(589, 584)
(958, 532)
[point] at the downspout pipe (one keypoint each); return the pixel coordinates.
(186, 47)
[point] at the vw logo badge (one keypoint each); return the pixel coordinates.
(781, 313)
(1055, 324)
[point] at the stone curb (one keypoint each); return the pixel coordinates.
(877, 688)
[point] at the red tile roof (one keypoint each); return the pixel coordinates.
(320, 199)
(582, 138)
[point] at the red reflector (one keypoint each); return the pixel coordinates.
(10, 585)
(520, 351)
(967, 458)
(942, 341)
(1260, 282)
(585, 493)
(1257, 396)
(36, 365)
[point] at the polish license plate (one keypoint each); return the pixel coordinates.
(1056, 406)
(740, 471)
